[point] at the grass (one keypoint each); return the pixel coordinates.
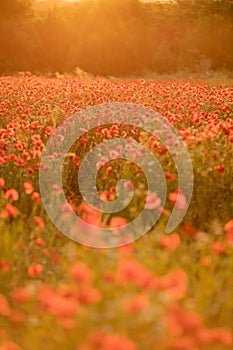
(160, 292)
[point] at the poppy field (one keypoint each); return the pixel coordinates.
(161, 292)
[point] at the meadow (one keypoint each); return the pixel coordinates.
(163, 291)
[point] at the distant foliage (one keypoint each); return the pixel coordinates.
(117, 37)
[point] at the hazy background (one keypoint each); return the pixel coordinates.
(116, 37)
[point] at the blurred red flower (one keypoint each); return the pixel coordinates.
(170, 242)
(11, 194)
(35, 270)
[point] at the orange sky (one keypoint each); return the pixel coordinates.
(82, 0)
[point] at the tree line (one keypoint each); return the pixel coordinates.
(116, 37)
